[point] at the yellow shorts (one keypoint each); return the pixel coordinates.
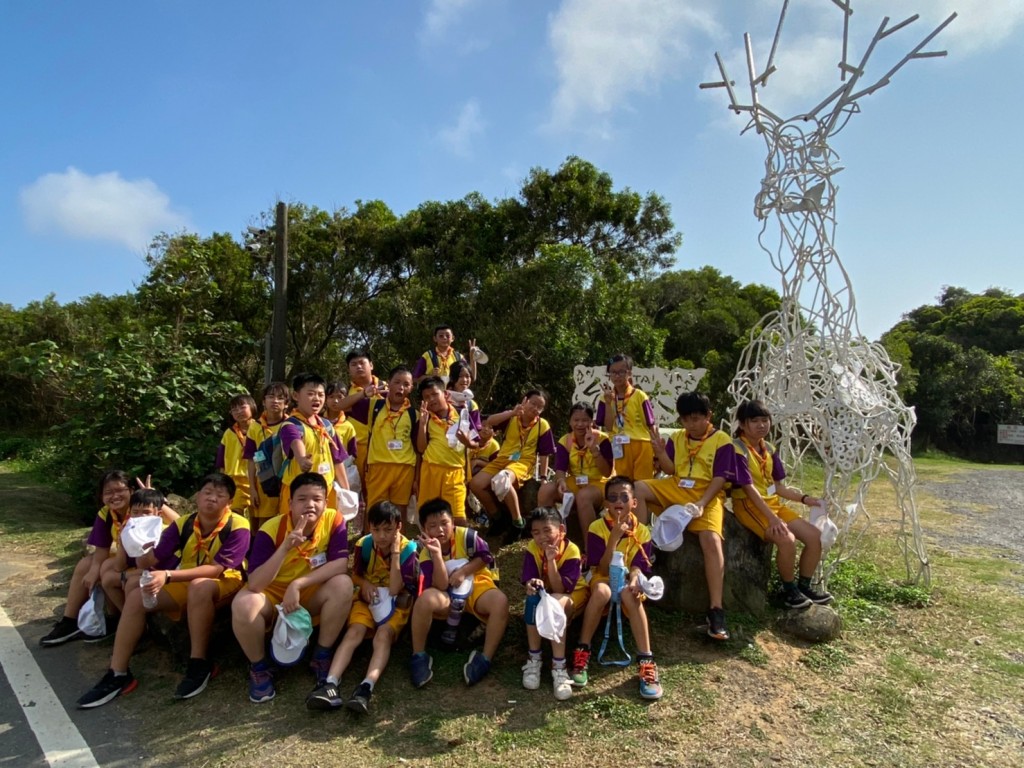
(275, 593)
(389, 482)
(481, 585)
(267, 509)
(751, 517)
(637, 462)
(360, 614)
(518, 468)
(361, 449)
(579, 598)
(440, 482)
(227, 586)
(668, 492)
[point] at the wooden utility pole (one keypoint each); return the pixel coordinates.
(277, 339)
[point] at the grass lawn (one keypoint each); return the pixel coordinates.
(919, 678)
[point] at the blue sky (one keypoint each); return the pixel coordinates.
(126, 119)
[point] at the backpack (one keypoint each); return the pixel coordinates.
(434, 359)
(410, 549)
(271, 463)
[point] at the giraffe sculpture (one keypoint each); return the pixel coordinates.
(832, 392)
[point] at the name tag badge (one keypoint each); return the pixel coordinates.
(259, 456)
(621, 440)
(324, 468)
(317, 560)
(617, 452)
(687, 482)
(770, 490)
(582, 480)
(515, 455)
(395, 445)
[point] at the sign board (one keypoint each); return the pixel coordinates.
(662, 385)
(1013, 434)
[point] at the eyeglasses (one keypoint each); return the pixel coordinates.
(613, 497)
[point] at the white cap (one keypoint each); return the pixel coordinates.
(550, 618)
(91, 618)
(566, 506)
(291, 635)
(477, 355)
(383, 606)
(348, 502)
(501, 484)
(140, 534)
(463, 397)
(653, 587)
(668, 527)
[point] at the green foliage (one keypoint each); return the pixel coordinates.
(148, 405)
(963, 369)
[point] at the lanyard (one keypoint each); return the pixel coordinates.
(391, 417)
(204, 543)
(631, 534)
(620, 413)
(524, 434)
(581, 453)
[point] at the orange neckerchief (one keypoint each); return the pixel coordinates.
(203, 543)
(760, 453)
(442, 366)
(239, 434)
(340, 420)
(116, 524)
(306, 548)
(581, 452)
(452, 416)
(631, 534)
(692, 452)
(524, 433)
(391, 417)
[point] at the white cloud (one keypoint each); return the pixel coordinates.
(468, 126)
(441, 14)
(607, 49)
(980, 24)
(100, 207)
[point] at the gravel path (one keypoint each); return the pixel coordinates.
(991, 503)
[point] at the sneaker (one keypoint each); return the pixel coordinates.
(716, 624)
(560, 683)
(108, 689)
(531, 673)
(519, 523)
(321, 666)
(110, 631)
(360, 701)
(261, 685)
(421, 666)
(324, 697)
(476, 668)
(64, 630)
(650, 686)
(817, 597)
(580, 661)
(794, 599)
(197, 675)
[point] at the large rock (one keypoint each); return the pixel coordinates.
(817, 624)
(748, 563)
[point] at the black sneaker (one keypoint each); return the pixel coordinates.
(110, 631)
(817, 597)
(360, 701)
(197, 675)
(64, 630)
(324, 697)
(108, 689)
(716, 624)
(795, 600)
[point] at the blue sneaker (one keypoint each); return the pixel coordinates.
(476, 668)
(650, 685)
(261, 685)
(421, 667)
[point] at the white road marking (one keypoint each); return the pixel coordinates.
(59, 739)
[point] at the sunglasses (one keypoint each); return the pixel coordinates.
(613, 497)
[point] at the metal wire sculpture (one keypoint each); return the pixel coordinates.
(831, 391)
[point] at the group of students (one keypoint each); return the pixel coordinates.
(268, 554)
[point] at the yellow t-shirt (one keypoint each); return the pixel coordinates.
(439, 451)
(391, 434)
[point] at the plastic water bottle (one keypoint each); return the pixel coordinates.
(148, 600)
(451, 630)
(617, 574)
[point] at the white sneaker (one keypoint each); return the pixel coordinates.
(531, 674)
(561, 683)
